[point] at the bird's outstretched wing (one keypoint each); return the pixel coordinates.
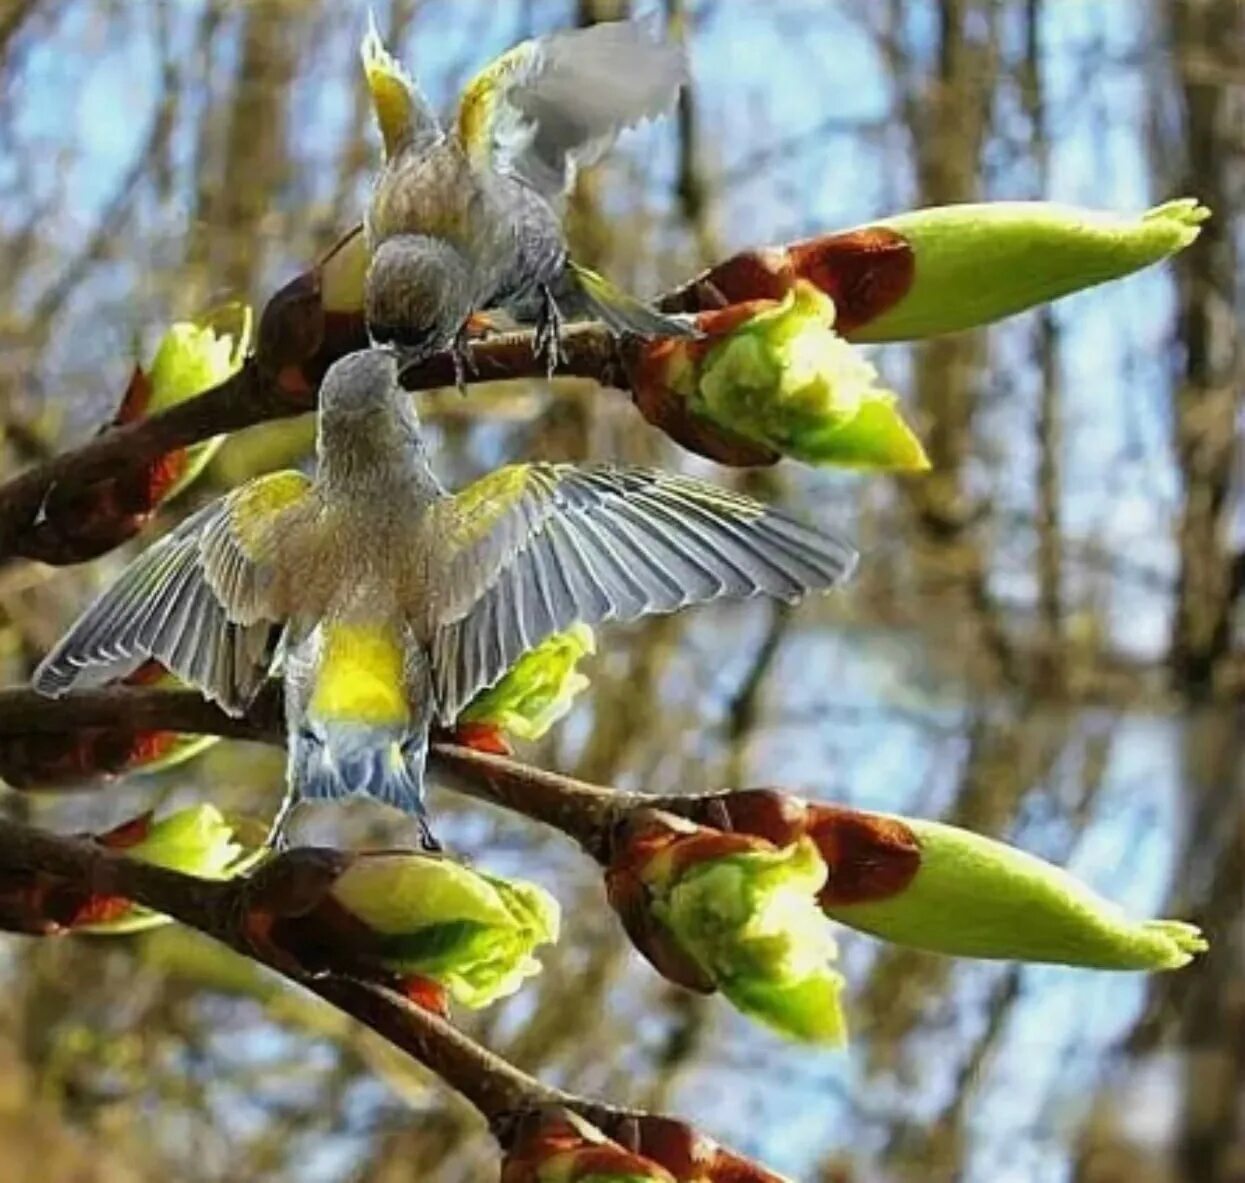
(531, 549)
(403, 114)
(202, 602)
(553, 103)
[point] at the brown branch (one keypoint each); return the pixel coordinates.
(219, 909)
(253, 396)
(583, 811)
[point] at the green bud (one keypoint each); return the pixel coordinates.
(974, 264)
(196, 841)
(786, 379)
(538, 689)
(751, 921)
(974, 897)
(193, 357)
(474, 934)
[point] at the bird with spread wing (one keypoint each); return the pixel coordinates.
(391, 603)
(469, 217)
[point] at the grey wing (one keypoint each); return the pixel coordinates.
(195, 601)
(569, 94)
(605, 543)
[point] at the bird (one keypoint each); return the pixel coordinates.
(389, 603)
(468, 218)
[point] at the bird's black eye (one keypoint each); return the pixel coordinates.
(307, 735)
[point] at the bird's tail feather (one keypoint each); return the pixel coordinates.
(620, 310)
(337, 761)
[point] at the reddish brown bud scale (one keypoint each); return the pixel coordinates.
(58, 760)
(480, 737)
(651, 366)
(870, 856)
(424, 993)
(865, 272)
(299, 338)
(771, 814)
(128, 833)
(629, 898)
(556, 1142)
(651, 843)
(136, 399)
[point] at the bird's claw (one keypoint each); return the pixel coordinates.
(464, 361)
(547, 341)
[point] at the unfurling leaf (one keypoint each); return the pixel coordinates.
(778, 375)
(538, 689)
(420, 923)
(80, 521)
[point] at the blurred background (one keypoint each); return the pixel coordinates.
(1044, 642)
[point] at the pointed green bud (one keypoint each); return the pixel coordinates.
(785, 379)
(539, 688)
(974, 897)
(974, 264)
(751, 921)
(474, 934)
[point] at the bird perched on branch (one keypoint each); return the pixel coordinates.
(398, 601)
(469, 217)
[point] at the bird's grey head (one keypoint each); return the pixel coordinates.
(418, 295)
(361, 382)
(368, 429)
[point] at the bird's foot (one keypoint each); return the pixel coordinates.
(547, 341)
(427, 840)
(464, 362)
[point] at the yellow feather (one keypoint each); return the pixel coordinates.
(478, 507)
(390, 88)
(253, 506)
(361, 676)
(477, 105)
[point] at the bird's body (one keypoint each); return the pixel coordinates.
(468, 218)
(397, 602)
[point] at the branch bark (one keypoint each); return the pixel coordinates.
(218, 909)
(583, 811)
(254, 396)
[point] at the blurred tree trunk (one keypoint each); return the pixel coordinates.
(1206, 38)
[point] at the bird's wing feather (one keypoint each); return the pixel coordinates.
(201, 602)
(404, 116)
(531, 549)
(557, 102)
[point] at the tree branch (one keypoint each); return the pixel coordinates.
(254, 396)
(218, 908)
(583, 811)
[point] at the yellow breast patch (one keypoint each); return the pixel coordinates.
(360, 678)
